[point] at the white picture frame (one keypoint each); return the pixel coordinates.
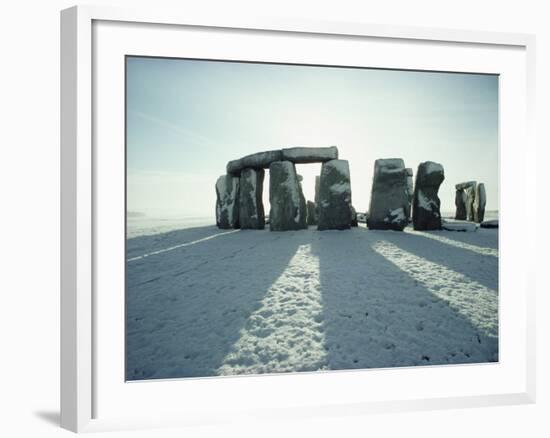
(83, 317)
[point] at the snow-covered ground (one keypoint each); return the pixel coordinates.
(209, 302)
(146, 225)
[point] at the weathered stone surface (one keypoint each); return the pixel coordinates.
(227, 202)
(288, 206)
(311, 213)
(354, 222)
(317, 184)
(469, 198)
(310, 155)
(426, 204)
(464, 199)
(260, 160)
(251, 208)
(390, 204)
(479, 203)
(334, 196)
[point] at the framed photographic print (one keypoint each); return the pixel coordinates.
(291, 218)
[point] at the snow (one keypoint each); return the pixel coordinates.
(433, 167)
(206, 302)
(293, 186)
(398, 215)
(342, 187)
(424, 202)
(341, 166)
(251, 179)
(391, 163)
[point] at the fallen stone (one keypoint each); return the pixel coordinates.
(458, 225)
(390, 204)
(251, 208)
(260, 160)
(334, 196)
(227, 202)
(489, 224)
(311, 213)
(479, 203)
(426, 204)
(288, 206)
(310, 155)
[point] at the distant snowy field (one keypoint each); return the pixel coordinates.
(208, 302)
(142, 225)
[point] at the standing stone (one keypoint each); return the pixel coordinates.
(390, 203)
(288, 206)
(227, 205)
(317, 185)
(354, 222)
(464, 200)
(410, 186)
(470, 197)
(311, 213)
(335, 196)
(426, 204)
(479, 203)
(251, 208)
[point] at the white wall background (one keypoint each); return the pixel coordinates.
(29, 216)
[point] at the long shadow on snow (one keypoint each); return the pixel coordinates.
(478, 267)
(375, 315)
(186, 308)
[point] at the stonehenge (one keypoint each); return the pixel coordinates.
(288, 205)
(239, 192)
(464, 200)
(479, 203)
(334, 196)
(309, 155)
(227, 203)
(299, 155)
(394, 194)
(390, 201)
(251, 208)
(260, 160)
(426, 204)
(470, 201)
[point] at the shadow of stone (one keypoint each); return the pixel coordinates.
(376, 315)
(50, 417)
(186, 308)
(464, 261)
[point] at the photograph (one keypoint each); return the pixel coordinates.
(287, 218)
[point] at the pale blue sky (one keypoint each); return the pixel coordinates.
(186, 119)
